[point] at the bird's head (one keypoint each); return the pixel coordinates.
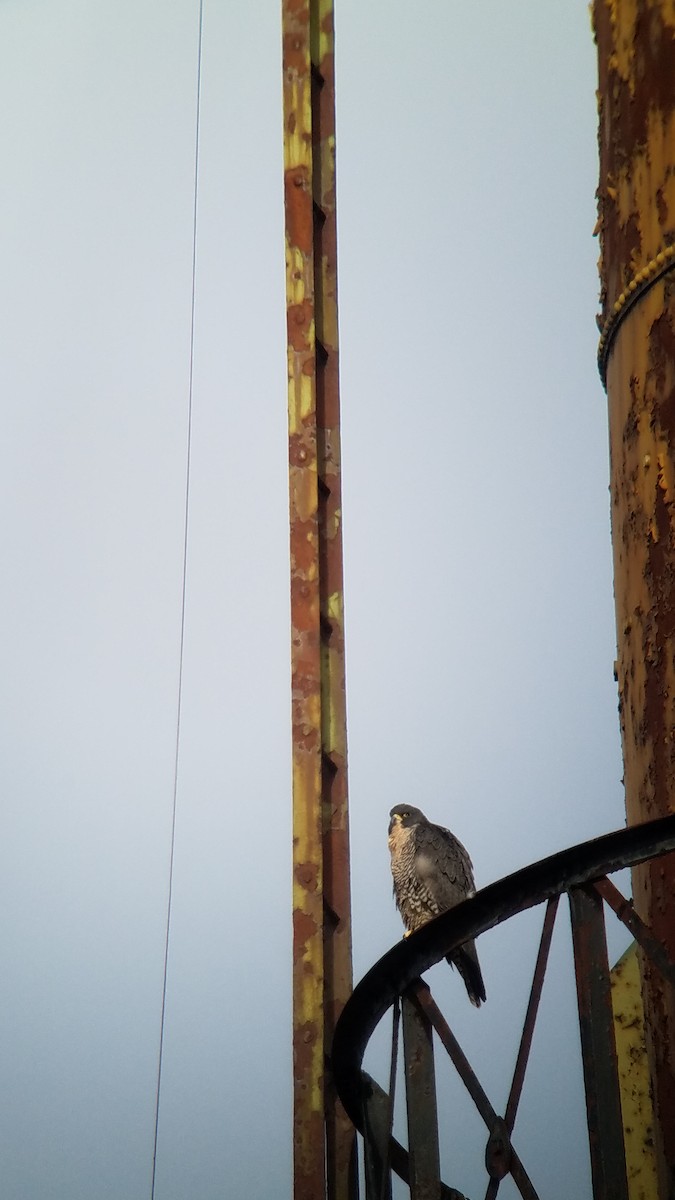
(405, 815)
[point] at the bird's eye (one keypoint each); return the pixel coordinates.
(405, 814)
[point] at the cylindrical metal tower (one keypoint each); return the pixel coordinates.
(636, 199)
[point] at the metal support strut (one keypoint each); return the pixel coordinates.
(322, 1136)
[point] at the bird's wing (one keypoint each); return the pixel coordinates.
(443, 865)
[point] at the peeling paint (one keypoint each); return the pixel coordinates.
(636, 203)
(322, 1135)
(636, 1103)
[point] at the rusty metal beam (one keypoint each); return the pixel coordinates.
(420, 1085)
(377, 1145)
(323, 1139)
(400, 1160)
(636, 222)
(598, 1049)
(496, 1125)
(643, 936)
(378, 1125)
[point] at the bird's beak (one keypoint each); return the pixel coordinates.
(395, 820)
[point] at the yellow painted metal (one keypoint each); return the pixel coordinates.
(322, 1136)
(634, 1083)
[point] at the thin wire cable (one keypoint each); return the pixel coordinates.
(186, 512)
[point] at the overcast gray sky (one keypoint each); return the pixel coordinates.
(478, 564)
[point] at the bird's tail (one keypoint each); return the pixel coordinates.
(466, 961)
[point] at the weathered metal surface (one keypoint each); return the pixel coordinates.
(625, 912)
(420, 1083)
(636, 201)
(340, 1139)
(377, 1144)
(321, 906)
(598, 1050)
(636, 1101)
(308, 917)
(400, 1161)
(378, 1124)
(634, 291)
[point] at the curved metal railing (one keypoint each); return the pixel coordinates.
(581, 872)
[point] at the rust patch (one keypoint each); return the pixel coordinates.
(662, 342)
(299, 321)
(299, 217)
(302, 449)
(307, 1033)
(307, 875)
(304, 929)
(295, 51)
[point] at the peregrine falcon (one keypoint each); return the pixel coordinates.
(432, 872)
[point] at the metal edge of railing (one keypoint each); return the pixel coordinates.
(524, 889)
